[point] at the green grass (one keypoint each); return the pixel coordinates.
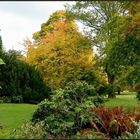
(12, 116)
(128, 101)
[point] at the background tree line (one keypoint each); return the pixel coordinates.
(59, 53)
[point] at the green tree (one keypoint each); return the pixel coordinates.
(127, 45)
(97, 16)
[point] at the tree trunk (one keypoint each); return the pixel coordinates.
(119, 90)
(111, 79)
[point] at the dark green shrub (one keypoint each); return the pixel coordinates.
(68, 110)
(98, 100)
(101, 89)
(7, 99)
(19, 78)
(104, 90)
(17, 99)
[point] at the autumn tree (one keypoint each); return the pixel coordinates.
(60, 51)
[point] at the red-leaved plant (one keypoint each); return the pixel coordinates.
(113, 121)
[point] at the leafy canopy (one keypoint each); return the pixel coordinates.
(60, 52)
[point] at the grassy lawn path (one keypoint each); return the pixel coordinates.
(12, 116)
(128, 101)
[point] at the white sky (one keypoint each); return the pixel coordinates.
(19, 20)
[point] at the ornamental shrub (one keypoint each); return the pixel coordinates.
(114, 121)
(68, 110)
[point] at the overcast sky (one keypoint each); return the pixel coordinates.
(19, 20)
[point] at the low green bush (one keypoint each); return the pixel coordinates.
(17, 99)
(68, 110)
(31, 131)
(13, 99)
(5, 99)
(102, 89)
(99, 100)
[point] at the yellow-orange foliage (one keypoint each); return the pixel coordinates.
(62, 54)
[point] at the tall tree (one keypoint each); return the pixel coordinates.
(127, 46)
(60, 52)
(96, 16)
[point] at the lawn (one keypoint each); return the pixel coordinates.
(127, 100)
(12, 116)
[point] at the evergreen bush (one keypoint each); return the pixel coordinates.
(17, 78)
(68, 110)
